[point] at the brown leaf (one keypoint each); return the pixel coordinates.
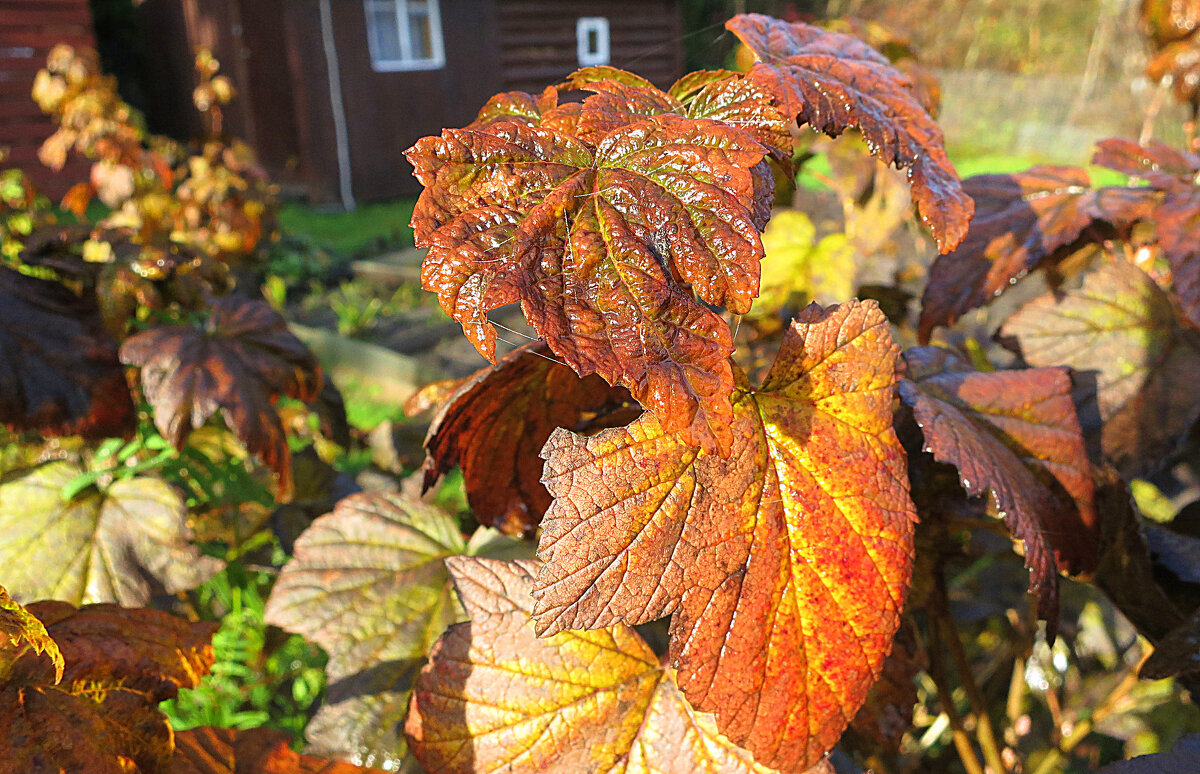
(604, 248)
(257, 751)
(145, 650)
(239, 363)
(496, 697)
(805, 531)
(496, 423)
(107, 730)
(59, 373)
(1134, 364)
(116, 545)
(1016, 435)
(1161, 165)
(1178, 223)
(1021, 220)
(835, 82)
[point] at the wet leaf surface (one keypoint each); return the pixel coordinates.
(835, 82)
(805, 531)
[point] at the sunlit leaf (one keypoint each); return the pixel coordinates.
(1134, 364)
(115, 545)
(239, 363)
(801, 268)
(785, 565)
(835, 82)
(59, 373)
(494, 425)
(20, 633)
(260, 750)
(1015, 435)
(496, 697)
(604, 247)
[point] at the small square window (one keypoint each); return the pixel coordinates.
(404, 35)
(591, 38)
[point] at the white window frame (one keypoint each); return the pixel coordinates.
(406, 62)
(584, 26)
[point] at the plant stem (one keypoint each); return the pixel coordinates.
(1054, 759)
(937, 671)
(984, 732)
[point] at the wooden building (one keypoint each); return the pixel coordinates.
(333, 91)
(28, 30)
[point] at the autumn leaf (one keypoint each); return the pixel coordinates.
(20, 633)
(835, 82)
(607, 249)
(1135, 365)
(1020, 220)
(59, 372)
(115, 545)
(367, 583)
(103, 717)
(494, 425)
(1162, 166)
(516, 106)
(806, 531)
(495, 696)
(239, 363)
(1015, 435)
(228, 751)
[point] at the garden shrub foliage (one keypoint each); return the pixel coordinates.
(764, 498)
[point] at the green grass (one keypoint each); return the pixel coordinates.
(382, 225)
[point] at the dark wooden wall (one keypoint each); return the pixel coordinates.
(537, 39)
(28, 30)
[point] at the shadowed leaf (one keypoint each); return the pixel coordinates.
(1134, 364)
(1020, 220)
(805, 531)
(496, 697)
(260, 750)
(611, 250)
(1184, 757)
(239, 363)
(1016, 435)
(116, 545)
(59, 372)
(835, 82)
(495, 424)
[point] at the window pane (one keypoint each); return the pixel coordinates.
(419, 34)
(386, 32)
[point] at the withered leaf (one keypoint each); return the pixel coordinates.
(785, 565)
(607, 249)
(1015, 435)
(22, 633)
(1020, 220)
(109, 730)
(227, 751)
(239, 363)
(146, 650)
(494, 425)
(495, 696)
(59, 372)
(116, 545)
(1135, 365)
(835, 82)
(366, 582)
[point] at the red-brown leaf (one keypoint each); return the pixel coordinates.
(835, 82)
(238, 364)
(1161, 165)
(494, 426)
(495, 697)
(257, 751)
(59, 372)
(785, 565)
(604, 248)
(1020, 220)
(1136, 365)
(1016, 435)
